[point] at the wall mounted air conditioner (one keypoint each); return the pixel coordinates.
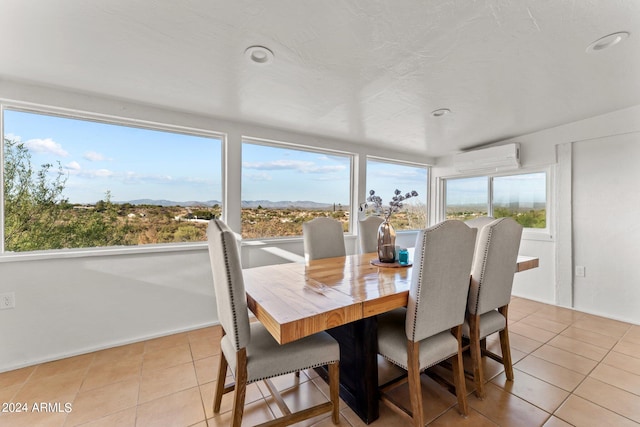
(491, 159)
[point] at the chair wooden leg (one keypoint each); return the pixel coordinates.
(241, 387)
(505, 346)
(334, 391)
(476, 354)
(458, 374)
(415, 388)
(222, 374)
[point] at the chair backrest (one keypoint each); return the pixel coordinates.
(323, 238)
(494, 265)
(368, 233)
(228, 283)
(479, 222)
(440, 279)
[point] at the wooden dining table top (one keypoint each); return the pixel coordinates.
(295, 300)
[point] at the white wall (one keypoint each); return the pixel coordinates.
(606, 204)
(601, 190)
(75, 304)
(72, 305)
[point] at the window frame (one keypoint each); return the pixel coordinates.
(528, 233)
(353, 159)
(82, 115)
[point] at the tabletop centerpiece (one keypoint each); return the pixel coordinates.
(386, 232)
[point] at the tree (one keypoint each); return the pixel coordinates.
(37, 215)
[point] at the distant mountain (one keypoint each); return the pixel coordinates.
(304, 204)
(251, 204)
(163, 202)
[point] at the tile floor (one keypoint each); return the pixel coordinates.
(571, 368)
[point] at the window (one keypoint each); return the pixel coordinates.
(284, 186)
(384, 177)
(466, 198)
(74, 183)
(522, 197)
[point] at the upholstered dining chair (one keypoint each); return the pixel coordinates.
(494, 265)
(323, 238)
(368, 233)
(250, 350)
(429, 330)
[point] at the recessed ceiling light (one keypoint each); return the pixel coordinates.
(440, 112)
(259, 54)
(607, 41)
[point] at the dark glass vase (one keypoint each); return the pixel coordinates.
(386, 242)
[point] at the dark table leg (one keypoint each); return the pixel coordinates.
(358, 366)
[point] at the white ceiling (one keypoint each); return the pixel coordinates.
(364, 70)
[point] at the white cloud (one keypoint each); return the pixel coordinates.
(47, 145)
(295, 165)
(73, 166)
(93, 156)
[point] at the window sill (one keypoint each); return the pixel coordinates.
(101, 252)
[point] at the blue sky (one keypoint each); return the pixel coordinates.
(131, 163)
(134, 163)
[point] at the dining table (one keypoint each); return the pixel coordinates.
(341, 296)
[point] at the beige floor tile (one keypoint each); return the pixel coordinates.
(554, 421)
(436, 399)
(166, 357)
(167, 381)
(254, 413)
(506, 409)
(176, 375)
(77, 364)
(542, 322)
(126, 418)
(180, 409)
(207, 369)
(522, 343)
(622, 361)
(205, 347)
(97, 403)
(580, 412)
(533, 390)
(453, 418)
(517, 315)
(560, 314)
(7, 393)
(610, 397)
(166, 342)
(207, 392)
(603, 326)
(56, 388)
(590, 337)
(526, 305)
(32, 419)
(16, 377)
(579, 347)
(531, 332)
(565, 359)
(205, 333)
(304, 396)
(554, 374)
(121, 354)
(617, 377)
(101, 374)
(628, 348)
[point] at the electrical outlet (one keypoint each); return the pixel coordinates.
(7, 300)
(580, 271)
